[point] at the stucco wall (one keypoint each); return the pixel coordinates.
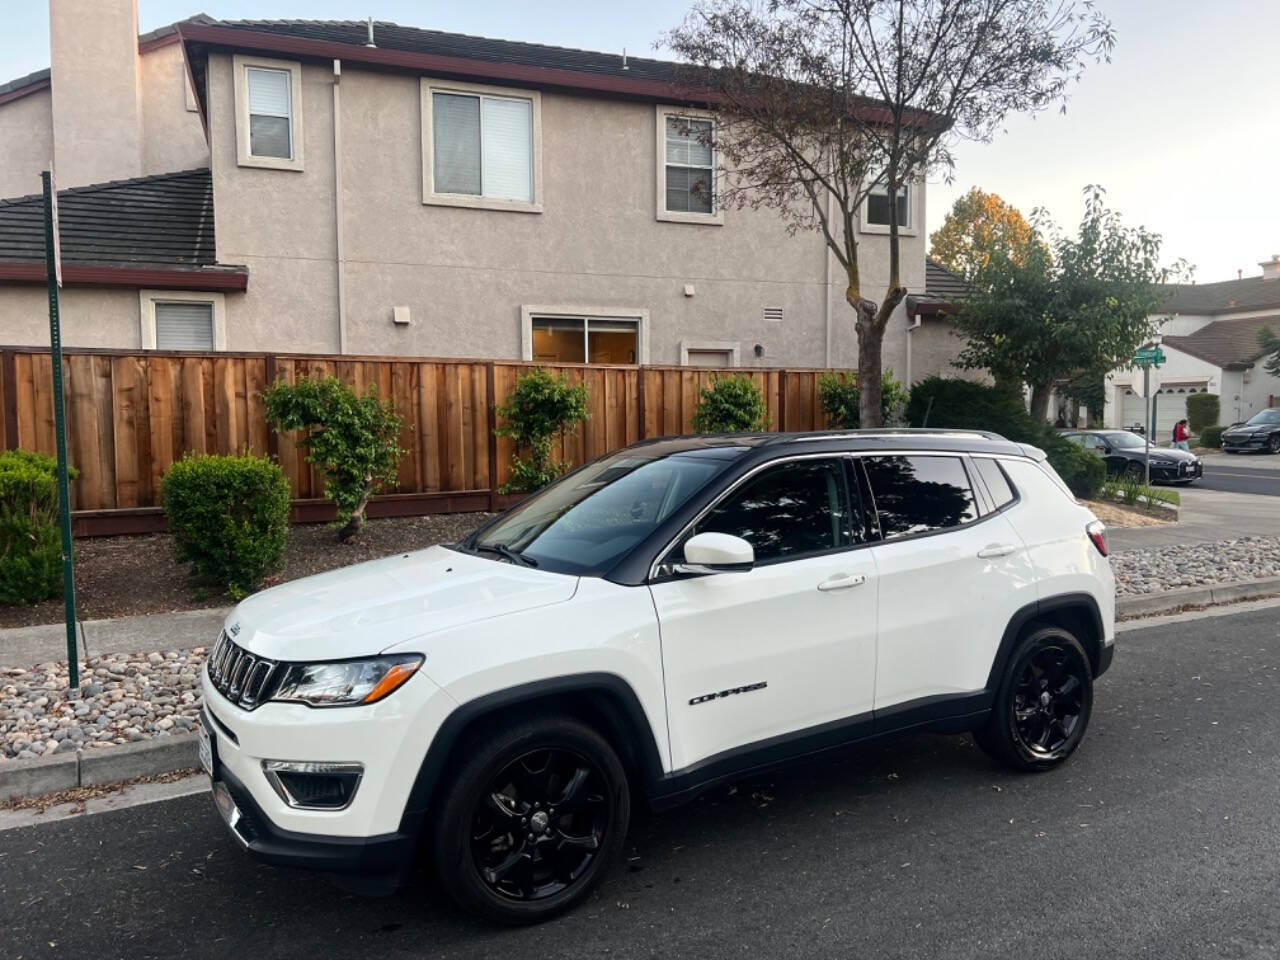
(172, 136)
(26, 143)
(933, 346)
(91, 316)
(465, 273)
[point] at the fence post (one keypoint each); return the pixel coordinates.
(9, 371)
(491, 423)
(782, 401)
(640, 391)
(269, 374)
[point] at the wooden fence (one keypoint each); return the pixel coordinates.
(131, 414)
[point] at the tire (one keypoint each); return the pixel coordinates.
(1135, 470)
(507, 860)
(1032, 733)
(1273, 445)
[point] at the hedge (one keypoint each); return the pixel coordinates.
(229, 517)
(1202, 411)
(30, 539)
(1211, 436)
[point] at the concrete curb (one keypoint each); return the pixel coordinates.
(90, 767)
(1166, 601)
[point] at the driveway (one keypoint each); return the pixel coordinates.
(1159, 839)
(1207, 515)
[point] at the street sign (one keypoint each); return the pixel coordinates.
(1146, 356)
(1149, 381)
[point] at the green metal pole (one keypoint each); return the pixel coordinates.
(60, 433)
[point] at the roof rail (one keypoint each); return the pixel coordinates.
(893, 432)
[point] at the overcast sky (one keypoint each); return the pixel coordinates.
(1182, 127)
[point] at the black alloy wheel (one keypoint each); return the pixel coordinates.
(1273, 444)
(1043, 704)
(1049, 700)
(540, 824)
(1136, 471)
(530, 816)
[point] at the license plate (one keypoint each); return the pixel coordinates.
(206, 750)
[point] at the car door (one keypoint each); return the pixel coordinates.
(787, 645)
(951, 577)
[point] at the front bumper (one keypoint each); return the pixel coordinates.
(263, 840)
(1182, 471)
(1245, 442)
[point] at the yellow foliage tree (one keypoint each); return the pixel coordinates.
(979, 224)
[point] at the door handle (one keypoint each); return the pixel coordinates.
(842, 581)
(993, 550)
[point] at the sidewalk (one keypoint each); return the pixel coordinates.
(1206, 516)
(24, 646)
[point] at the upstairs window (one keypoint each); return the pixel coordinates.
(270, 113)
(184, 326)
(878, 207)
(690, 165)
(483, 148)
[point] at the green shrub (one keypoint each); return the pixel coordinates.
(839, 395)
(30, 539)
(964, 404)
(1202, 411)
(354, 441)
(540, 407)
(1211, 436)
(229, 517)
(731, 405)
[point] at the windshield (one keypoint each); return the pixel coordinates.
(1265, 416)
(586, 522)
(1125, 440)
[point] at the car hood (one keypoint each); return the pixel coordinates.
(1247, 429)
(1169, 453)
(364, 609)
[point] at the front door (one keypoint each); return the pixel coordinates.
(789, 644)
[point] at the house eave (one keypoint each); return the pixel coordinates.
(201, 279)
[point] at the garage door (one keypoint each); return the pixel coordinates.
(1170, 408)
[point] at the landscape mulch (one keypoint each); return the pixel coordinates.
(126, 576)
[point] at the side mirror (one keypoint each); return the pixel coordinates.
(1106, 448)
(716, 553)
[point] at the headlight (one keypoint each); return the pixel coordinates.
(348, 682)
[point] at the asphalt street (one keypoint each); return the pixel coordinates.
(1237, 476)
(1161, 838)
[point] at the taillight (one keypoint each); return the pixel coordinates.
(1097, 532)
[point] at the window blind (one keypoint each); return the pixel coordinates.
(184, 326)
(507, 151)
(689, 159)
(455, 136)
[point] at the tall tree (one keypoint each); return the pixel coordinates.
(820, 101)
(978, 225)
(1271, 344)
(1066, 305)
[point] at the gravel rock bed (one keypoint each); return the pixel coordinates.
(1152, 569)
(130, 697)
(125, 698)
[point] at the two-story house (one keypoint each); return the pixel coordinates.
(367, 188)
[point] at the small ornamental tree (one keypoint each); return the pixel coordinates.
(540, 407)
(840, 399)
(1270, 344)
(731, 405)
(1203, 410)
(352, 440)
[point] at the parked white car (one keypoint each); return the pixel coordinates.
(673, 615)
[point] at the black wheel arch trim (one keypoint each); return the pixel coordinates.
(1100, 654)
(607, 691)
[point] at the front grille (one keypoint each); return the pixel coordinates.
(244, 679)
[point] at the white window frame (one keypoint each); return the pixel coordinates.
(914, 213)
(731, 347)
(716, 216)
(577, 312)
(240, 67)
(147, 300)
(429, 195)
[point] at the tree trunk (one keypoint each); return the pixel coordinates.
(1040, 393)
(870, 380)
(352, 528)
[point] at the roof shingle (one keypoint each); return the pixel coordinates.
(1225, 296)
(160, 221)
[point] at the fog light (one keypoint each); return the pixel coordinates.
(307, 785)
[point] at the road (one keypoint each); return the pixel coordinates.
(1159, 839)
(1238, 476)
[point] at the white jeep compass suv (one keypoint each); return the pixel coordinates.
(679, 613)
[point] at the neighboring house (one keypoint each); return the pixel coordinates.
(1211, 341)
(933, 344)
(378, 189)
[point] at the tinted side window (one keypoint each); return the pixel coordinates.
(787, 511)
(919, 494)
(996, 482)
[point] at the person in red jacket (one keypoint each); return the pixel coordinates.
(1180, 435)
